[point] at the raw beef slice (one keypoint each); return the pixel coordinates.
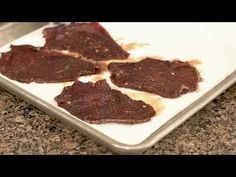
(165, 78)
(31, 64)
(98, 103)
(90, 40)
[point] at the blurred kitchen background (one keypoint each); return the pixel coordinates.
(13, 30)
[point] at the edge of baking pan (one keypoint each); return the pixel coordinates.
(110, 143)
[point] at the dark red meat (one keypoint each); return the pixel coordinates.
(31, 64)
(98, 103)
(90, 40)
(165, 78)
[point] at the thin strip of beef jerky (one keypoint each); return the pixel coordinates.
(98, 103)
(32, 64)
(89, 40)
(165, 78)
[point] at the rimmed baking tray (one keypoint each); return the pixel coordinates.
(212, 44)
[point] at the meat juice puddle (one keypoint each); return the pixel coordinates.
(147, 98)
(67, 84)
(132, 45)
(195, 62)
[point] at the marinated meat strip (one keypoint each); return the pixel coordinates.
(165, 78)
(98, 103)
(31, 64)
(90, 40)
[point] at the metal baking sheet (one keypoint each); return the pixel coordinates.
(211, 43)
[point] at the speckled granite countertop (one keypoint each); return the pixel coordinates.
(26, 130)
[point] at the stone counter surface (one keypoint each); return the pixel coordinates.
(26, 130)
